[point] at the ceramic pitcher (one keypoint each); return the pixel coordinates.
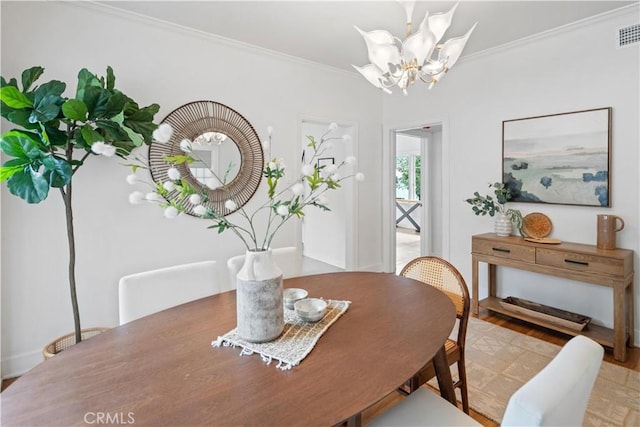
(608, 226)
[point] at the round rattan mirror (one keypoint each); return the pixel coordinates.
(228, 152)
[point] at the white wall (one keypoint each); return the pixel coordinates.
(153, 62)
(572, 69)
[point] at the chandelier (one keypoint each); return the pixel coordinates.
(209, 138)
(401, 63)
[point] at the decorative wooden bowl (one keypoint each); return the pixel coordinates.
(536, 225)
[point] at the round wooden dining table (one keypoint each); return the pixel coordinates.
(161, 370)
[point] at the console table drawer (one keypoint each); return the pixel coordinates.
(580, 262)
(504, 250)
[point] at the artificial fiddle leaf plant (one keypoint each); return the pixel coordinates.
(58, 135)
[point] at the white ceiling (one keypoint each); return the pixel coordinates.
(322, 31)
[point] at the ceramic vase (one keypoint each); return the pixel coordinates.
(259, 305)
(503, 225)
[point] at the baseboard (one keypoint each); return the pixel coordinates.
(19, 364)
(375, 268)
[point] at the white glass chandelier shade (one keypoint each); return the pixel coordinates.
(209, 138)
(401, 63)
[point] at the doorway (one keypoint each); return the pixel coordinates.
(415, 199)
(329, 236)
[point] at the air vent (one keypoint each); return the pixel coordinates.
(628, 35)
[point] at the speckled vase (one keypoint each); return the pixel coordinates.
(259, 306)
(504, 226)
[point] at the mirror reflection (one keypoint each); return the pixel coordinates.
(217, 159)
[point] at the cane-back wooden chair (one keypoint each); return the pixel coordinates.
(442, 275)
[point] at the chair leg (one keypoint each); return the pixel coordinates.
(462, 373)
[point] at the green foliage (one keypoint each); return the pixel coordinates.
(402, 179)
(483, 205)
(56, 127)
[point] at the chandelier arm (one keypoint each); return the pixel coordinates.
(392, 81)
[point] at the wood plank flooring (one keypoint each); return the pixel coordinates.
(633, 360)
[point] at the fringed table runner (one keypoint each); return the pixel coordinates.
(296, 341)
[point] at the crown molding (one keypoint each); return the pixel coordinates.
(605, 16)
(170, 26)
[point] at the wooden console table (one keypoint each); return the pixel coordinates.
(584, 263)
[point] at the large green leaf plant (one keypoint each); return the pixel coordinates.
(58, 135)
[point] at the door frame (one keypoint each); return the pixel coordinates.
(388, 189)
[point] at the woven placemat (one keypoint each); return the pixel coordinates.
(296, 341)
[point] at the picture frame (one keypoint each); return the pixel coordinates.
(560, 158)
(325, 161)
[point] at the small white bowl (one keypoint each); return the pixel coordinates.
(291, 295)
(311, 309)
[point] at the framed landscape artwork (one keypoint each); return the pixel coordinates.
(559, 158)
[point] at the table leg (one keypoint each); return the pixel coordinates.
(630, 312)
(492, 279)
(619, 323)
(443, 373)
(474, 286)
(354, 421)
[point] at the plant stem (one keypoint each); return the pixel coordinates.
(66, 197)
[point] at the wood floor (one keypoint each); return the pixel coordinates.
(633, 360)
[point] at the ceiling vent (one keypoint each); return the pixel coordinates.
(628, 35)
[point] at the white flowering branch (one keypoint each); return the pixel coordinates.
(307, 190)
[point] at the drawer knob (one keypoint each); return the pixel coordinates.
(571, 261)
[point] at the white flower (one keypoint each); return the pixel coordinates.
(231, 205)
(200, 210)
(265, 145)
(185, 145)
(163, 133)
(153, 197)
(270, 130)
(132, 179)
(333, 126)
(136, 197)
(273, 165)
(307, 170)
(195, 199)
(346, 138)
(330, 169)
(171, 212)
(168, 185)
(98, 147)
(103, 148)
(335, 177)
(359, 177)
(297, 189)
(351, 160)
(282, 210)
(174, 174)
(108, 150)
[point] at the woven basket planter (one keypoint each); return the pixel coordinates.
(66, 341)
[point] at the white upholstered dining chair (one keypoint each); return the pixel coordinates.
(148, 292)
(289, 259)
(556, 396)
